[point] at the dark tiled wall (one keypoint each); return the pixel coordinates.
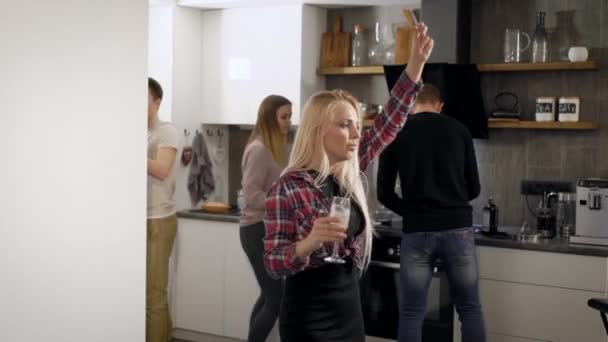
(512, 155)
(238, 140)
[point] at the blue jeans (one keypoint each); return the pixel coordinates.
(419, 251)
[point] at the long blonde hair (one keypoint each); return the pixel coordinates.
(267, 128)
(317, 115)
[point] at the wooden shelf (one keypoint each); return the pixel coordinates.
(498, 67)
(550, 66)
(555, 125)
(362, 70)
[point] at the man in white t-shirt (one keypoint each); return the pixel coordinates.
(162, 221)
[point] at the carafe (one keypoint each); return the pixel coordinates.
(512, 45)
(540, 43)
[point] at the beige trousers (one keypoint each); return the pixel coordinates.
(161, 234)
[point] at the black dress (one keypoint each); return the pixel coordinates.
(323, 304)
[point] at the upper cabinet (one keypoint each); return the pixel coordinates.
(250, 53)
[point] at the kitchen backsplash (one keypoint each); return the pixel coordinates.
(512, 155)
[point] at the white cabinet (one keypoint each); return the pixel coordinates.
(543, 313)
(540, 296)
(199, 288)
(249, 53)
(241, 288)
(214, 288)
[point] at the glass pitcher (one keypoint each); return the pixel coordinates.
(512, 45)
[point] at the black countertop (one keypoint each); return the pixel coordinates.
(232, 215)
(554, 245)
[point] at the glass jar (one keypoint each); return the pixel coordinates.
(540, 43)
(565, 35)
(358, 56)
(381, 44)
(565, 216)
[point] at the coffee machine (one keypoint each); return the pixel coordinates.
(591, 212)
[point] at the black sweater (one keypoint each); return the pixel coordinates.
(435, 160)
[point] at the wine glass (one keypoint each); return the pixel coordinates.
(340, 208)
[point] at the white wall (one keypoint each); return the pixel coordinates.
(187, 80)
(72, 181)
(160, 56)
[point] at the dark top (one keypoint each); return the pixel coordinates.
(323, 304)
(435, 160)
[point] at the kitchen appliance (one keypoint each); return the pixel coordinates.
(591, 212)
(380, 293)
(545, 216)
(460, 89)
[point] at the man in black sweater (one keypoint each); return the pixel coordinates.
(435, 160)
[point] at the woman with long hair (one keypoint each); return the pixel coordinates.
(264, 158)
(321, 300)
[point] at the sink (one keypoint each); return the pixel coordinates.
(527, 238)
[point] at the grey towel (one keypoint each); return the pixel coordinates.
(200, 177)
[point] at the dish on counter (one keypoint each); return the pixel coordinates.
(215, 207)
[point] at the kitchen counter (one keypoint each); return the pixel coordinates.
(554, 245)
(231, 216)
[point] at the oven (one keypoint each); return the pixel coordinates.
(380, 293)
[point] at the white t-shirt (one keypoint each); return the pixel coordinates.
(161, 193)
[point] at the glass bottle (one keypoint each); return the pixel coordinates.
(540, 44)
(358, 56)
(490, 216)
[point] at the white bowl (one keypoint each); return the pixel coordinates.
(578, 54)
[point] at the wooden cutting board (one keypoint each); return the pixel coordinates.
(404, 37)
(335, 46)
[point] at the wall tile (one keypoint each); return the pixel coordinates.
(579, 163)
(544, 149)
(539, 173)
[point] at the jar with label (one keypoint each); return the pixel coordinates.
(568, 108)
(545, 108)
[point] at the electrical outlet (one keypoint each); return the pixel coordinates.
(536, 187)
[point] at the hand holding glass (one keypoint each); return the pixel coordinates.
(340, 208)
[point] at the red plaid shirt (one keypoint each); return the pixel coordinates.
(294, 202)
